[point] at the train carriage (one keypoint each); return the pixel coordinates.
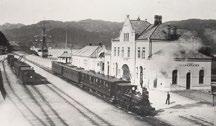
(57, 68)
(71, 74)
(104, 85)
(109, 88)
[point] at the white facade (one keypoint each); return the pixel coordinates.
(154, 59)
(90, 58)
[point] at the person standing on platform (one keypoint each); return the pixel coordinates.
(168, 98)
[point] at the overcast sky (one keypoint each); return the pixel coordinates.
(32, 11)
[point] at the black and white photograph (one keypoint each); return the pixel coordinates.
(107, 63)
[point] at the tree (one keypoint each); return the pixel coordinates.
(3, 40)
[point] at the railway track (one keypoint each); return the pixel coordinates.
(46, 107)
(20, 104)
(93, 117)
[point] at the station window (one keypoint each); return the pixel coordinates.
(118, 51)
(126, 36)
(114, 51)
(122, 51)
(143, 53)
(128, 53)
(138, 52)
(201, 76)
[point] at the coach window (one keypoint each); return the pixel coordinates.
(201, 76)
(104, 83)
(93, 79)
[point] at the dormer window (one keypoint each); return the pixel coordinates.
(126, 36)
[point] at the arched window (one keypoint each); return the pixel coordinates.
(116, 70)
(108, 68)
(174, 77)
(201, 76)
(102, 55)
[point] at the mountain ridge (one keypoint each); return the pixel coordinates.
(88, 31)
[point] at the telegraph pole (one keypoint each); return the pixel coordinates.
(66, 40)
(44, 48)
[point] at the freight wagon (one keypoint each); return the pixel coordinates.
(24, 72)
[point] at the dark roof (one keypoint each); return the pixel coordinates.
(115, 39)
(88, 51)
(139, 25)
(91, 73)
(158, 32)
(65, 55)
(105, 77)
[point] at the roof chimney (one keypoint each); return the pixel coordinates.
(100, 44)
(157, 20)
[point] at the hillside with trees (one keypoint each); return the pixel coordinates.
(97, 31)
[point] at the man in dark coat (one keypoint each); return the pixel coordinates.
(168, 98)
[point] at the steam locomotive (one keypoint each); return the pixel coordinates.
(114, 90)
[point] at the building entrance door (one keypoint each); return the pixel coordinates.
(188, 80)
(126, 73)
(174, 77)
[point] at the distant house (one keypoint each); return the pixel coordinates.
(65, 57)
(14, 45)
(90, 58)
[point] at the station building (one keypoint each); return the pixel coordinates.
(153, 56)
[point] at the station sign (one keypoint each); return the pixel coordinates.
(189, 65)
